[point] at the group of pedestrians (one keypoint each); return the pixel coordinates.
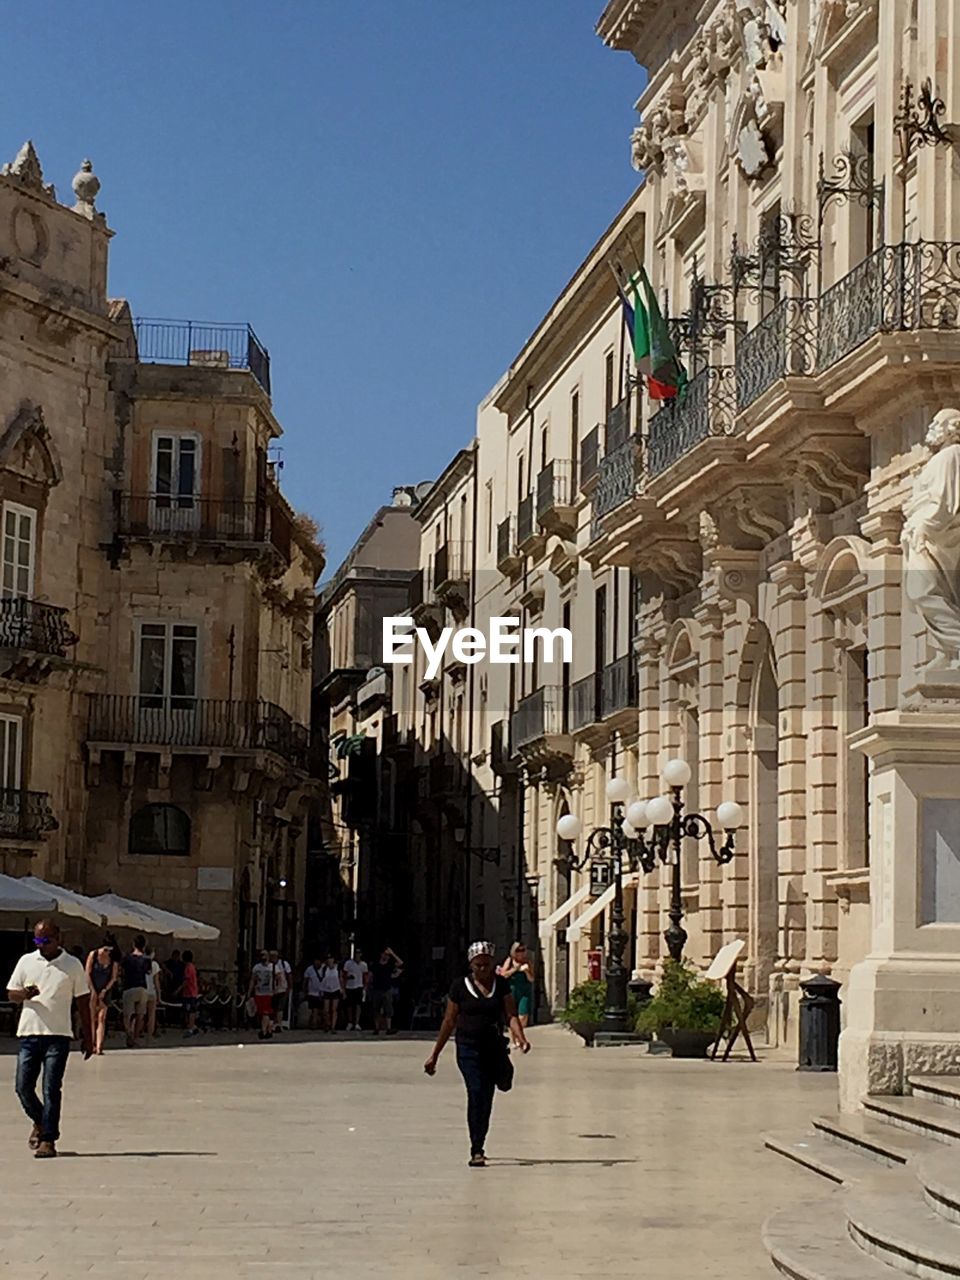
(141, 982)
(268, 992)
(329, 985)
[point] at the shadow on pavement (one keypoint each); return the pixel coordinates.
(128, 1155)
(524, 1163)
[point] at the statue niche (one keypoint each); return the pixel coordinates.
(27, 450)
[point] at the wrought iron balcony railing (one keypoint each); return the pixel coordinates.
(898, 287)
(619, 685)
(158, 720)
(35, 627)
(506, 545)
(193, 518)
(619, 472)
(553, 488)
(708, 409)
(25, 815)
(782, 345)
(589, 456)
(451, 564)
(618, 425)
(542, 714)
(208, 346)
(527, 529)
(586, 701)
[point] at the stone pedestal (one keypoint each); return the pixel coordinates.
(903, 1000)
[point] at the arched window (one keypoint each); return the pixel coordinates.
(160, 829)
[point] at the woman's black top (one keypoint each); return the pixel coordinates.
(479, 1017)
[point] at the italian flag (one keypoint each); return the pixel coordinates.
(653, 348)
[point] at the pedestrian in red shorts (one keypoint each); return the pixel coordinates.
(262, 989)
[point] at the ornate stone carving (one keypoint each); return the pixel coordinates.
(753, 153)
(27, 448)
(708, 532)
(86, 184)
(25, 168)
(931, 540)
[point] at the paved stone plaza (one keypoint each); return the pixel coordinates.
(298, 1159)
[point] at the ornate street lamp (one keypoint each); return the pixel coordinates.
(627, 837)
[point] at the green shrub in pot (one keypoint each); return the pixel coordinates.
(684, 1002)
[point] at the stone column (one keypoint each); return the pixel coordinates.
(712, 755)
(649, 943)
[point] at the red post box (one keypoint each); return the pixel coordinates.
(595, 965)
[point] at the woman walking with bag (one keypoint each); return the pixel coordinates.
(478, 1008)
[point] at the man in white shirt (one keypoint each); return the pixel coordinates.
(355, 977)
(282, 983)
(45, 984)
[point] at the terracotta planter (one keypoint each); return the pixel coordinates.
(585, 1030)
(687, 1044)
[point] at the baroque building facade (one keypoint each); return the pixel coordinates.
(730, 563)
(157, 594)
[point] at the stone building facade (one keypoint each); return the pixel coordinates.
(157, 594)
(730, 563)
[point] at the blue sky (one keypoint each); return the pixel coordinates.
(392, 192)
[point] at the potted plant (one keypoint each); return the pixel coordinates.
(685, 1013)
(584, 1012)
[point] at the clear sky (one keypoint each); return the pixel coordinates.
(392, 192)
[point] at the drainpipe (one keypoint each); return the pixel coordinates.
(471, 690)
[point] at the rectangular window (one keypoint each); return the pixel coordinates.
(489, 516)
(11, 745)
(574, 441)
(19, 550)
(168, 665)
(544, 442)
(608, 384)
(176, 471)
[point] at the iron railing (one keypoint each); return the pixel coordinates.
(782, 345)
(589, 456)
(197, 343)
(506, 544)
(553, 488)
(540, 715)
(619, 685)
(416, 591)
(619, 472)
(193, 517)
(35, 627)
(618, 425)
(898, 287)
(25, 815)
(526, 524)
(707, 409)
(451, 564)
(157, 720)
(586, 700)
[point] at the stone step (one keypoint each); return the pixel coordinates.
(929, 1119)
(938, 1172)
(897, 1227)
(869, 1138)
(811, 1242)
(831, 1160)
(942, 1089)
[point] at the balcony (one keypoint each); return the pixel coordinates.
(200, 345)
(539, 730)
(528, 530)
(618, 425)
(197, 725)
(32, 634)
(590, 452)
(191, 519)
(619, 687)
(898, 288)
(782, 345)
(708, 409)
(451, 574)
(508, 558)
(617, 483)
(555, 511)
(586, 701)
(502, 760)
(25, 815)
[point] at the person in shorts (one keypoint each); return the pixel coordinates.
(313, 991)
(282, 981)
(356, 974)
(382, 982)
(134, 969)
(190, 994)
(261, 990)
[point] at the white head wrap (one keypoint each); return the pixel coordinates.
(480, 949)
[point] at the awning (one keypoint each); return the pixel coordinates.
(548, 925)
(66, 902)
(127, 913)
(17, 896)
(576, 927)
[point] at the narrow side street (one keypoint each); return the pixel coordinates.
(340, 1158)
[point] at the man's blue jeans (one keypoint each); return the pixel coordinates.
(48, 1053)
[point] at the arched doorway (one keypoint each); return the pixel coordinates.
(763, 766)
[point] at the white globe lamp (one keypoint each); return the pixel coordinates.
(629, 830)
(637, 815)
(618, 790)
(660, 811)
(568, 827)
(730, 815)
(676, 773)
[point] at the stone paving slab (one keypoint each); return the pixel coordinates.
(304, 1158)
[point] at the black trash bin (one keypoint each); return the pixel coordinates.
(819, 1024)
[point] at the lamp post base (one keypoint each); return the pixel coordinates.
(618, 1039)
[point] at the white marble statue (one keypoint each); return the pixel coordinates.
(931, 541)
